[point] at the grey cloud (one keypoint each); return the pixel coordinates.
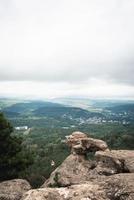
(67, 41)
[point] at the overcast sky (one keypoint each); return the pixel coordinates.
(53, 48)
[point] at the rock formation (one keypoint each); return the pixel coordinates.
(77, 168)
(115, 161)
(85, 191)
(109, 176)
(73, 170)
(116, 187)
(81, 144)
(109, 171)
(13, 189)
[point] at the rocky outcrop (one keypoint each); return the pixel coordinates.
(73, 170)
(117, 187)
(84, 191)
(77, 168)
(114, 161)
(81, 144)
(13, 189)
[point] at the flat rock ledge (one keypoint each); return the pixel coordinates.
(117, 187)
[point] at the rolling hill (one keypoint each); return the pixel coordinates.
(122, 108)
(65, 112)
(29, 106)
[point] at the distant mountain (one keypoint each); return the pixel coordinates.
(92, 104)
(48, 109)
(73, 112)
(75, 102)
(29, 106)
(122, 108)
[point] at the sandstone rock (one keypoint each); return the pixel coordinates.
(81, 179)
(85, 191)
(78, 134)
(73, 170)
(115, 161)
(119, 186)
(76, 168)
(115, 187)
(13, 189)
(81, 144)
(129, 163)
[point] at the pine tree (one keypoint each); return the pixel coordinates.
(12, 159)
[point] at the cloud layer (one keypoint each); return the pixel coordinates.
(71, 41)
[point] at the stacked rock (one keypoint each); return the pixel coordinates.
(81, 144)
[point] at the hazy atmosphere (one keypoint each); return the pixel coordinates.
(67, 48)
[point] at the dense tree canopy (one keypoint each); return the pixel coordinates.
(12, 158)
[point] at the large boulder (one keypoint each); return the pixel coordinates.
(77, 168)
(13, 189)
(73, 170)
(114, 161)
(81, 144)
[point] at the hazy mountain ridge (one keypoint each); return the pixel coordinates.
(122, 108)
(76, 112)
(29, 106)
(72, 112)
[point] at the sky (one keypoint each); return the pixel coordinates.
(62, 48)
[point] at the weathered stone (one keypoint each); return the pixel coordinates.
(81, 144)
(115, 187)
(119, 186)
(73, 170)
(85, 191)
(76, 168)
(13, 189)
(115, 161)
